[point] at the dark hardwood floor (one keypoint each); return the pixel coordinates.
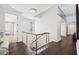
(66, 46)
(1, 42)
(19, 48)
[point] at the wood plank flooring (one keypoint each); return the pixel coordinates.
(19, 48)
(66, 46)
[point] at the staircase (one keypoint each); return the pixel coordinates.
(37, 42)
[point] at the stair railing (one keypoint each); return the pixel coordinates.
(36, 41)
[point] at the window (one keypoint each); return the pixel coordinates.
(10, 24)
(28, 26)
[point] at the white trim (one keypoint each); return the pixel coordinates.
(77, 47)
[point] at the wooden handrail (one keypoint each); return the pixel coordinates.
(28, 33)
(43, 33)
(37, 34)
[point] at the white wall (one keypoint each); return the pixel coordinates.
(71, 18)
(19, 28)
(1, 20)
(77, 47)
(63, 29)
(71, 28)
(49, 22)
(71, 25)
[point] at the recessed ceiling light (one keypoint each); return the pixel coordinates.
(32, 10)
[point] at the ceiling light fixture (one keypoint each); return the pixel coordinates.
(32, 10)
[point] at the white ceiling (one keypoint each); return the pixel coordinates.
(68, 9)
(24, 8)
(67, 12)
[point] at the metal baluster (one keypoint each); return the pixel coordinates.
(48, 38)
(22, 36)
(26, 38)
(36, 44)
